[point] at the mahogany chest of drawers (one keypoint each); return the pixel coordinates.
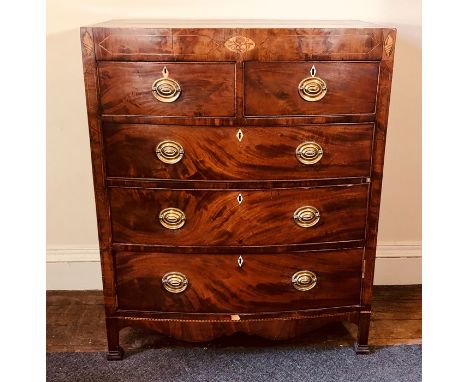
(237, 173)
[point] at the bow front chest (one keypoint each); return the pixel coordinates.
(237, 173)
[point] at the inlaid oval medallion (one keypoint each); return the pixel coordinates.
(239, 44)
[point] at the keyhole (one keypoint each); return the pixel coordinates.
(239, 198)
(240, 261)
(239, 135)
(313, 71)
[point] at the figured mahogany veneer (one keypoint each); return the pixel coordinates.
(263, 217)
(216, 284)
(169, 40)
(245, 203)
(216, 153)
(271, 88)
(208, 89)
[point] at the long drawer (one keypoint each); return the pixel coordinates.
(216, 283)
(167, 89)
(289, 88)
(238, 217)
(251, 153)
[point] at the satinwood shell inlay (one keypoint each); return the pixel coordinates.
(388, 45)
(88, 43)
(239, 44)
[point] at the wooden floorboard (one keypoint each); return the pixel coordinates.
(75, 323)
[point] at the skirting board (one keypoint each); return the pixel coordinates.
(79, 268)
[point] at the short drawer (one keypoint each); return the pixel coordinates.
(217, 284)
(238, 217)
(167, 89)
(261, 153)
(289, 88)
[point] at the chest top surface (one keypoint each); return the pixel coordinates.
(234, 23)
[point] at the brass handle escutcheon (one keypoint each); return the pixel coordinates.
(309, 152)
(312, 88)
(175, 282)
(172, 218)
(166, 89)
(169, 152)
(304, 280)
(306, 216)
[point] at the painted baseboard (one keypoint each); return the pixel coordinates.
(75, 268)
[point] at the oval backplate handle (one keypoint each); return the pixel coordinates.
(166, 89)
(312, 89)
(172, 218)
(309, 152)
(175, 282)
(169, 152)
(304, 280)
(306, 216)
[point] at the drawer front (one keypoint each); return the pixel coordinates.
(272, 88)
(190, 90)
(206, 153)
(238, 217)
(216, 283)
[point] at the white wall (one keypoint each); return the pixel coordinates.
(71, 220)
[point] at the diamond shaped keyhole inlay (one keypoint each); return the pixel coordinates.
(313, 71)
(239, 135)
(240, 261)
(239, 198)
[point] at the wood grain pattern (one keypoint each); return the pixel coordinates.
(208, 90)
(383, 104)
(208, 330)
(176, 184)
(130, 43)
(217, 284)
(230, 249)
(216, 153)
(271, 88)
(265, 217)
(317, 44)
(98, 165)
(240, 120)
(161, 44)
(201, 331)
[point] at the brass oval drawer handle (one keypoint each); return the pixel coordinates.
(306, 216)
(304, 280)
(169, 152)
(175, 282)
(172, 218)
(312, 88)
(309, 152)
(166, 89)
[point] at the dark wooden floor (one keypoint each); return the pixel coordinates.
(75, 322)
